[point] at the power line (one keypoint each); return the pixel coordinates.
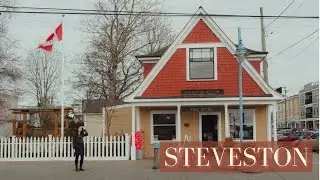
(295, 44)
(124, 13)
(312, 42)
(299, 5)
(280, 14)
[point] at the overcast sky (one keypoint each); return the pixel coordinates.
(30, 29)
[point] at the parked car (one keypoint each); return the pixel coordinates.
(295, 136)
(314, 138)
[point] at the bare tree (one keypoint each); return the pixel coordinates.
(41, 74)
(109, 68)
(9, 71)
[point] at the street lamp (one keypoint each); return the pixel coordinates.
(240, 57)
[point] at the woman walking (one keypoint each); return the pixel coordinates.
(78, 146)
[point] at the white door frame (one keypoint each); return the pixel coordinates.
(219, 123)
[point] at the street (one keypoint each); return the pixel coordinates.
(135, 170)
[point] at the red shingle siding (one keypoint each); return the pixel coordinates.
(147, 67)
(201, 33)
(256, 65)
(172, 78)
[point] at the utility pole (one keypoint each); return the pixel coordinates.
(240, 56)
(285, 106)
(264, 49)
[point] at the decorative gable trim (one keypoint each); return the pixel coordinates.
(178, 43)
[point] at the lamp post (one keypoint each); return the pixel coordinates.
(240, 57)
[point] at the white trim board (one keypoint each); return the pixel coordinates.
(218, 121)
(178, 41)
(221, 100)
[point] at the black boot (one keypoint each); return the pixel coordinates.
(81, 169)
(77, 168)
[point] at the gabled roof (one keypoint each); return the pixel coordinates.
(96, 105)
(222, 36)
(157, 53)
(161, 52)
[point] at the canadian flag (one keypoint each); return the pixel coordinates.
(55, 36)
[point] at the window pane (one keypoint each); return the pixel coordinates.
(196, 54)
(247, 124)
(164, 119)
(247, 131)
(201, 70)
(165, 132)
(206, 54)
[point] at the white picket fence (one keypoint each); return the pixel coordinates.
(50, 148)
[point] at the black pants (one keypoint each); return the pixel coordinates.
(81, 160)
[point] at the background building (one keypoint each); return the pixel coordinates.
(288, 113)
(309, 106)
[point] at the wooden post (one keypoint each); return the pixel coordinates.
(66, 127)
(24, 127)
(14, 127)
(55, 129)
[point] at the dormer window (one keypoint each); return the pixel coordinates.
(202, 64)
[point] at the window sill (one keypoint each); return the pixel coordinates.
(163, 141)
(245, 140)
(201, 80)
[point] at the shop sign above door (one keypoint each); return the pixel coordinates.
(202, 93)
(202, 109)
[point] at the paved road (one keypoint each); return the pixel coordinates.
(129, 170)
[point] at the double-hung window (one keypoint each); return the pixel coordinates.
(201, 64)
(164, 126)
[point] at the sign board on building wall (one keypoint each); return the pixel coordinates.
(202, 109)
(203, 93)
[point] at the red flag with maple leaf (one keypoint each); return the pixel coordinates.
(55, 36)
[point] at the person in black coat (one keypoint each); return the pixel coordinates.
(78, 146)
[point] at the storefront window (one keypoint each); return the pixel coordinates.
(248, 124)
(164, 126)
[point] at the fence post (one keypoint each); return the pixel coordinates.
(87, 144)
(123, 144)
(27, 147)
(127, 144)
(95, 147)
(38, 147)
(103, 146)
(65, 146)
(50, 145)
(5, 153)
(13, 139)
(1, 147)
(91, 146)
(107, 146)
(99, 147)
(46, 154)
(42, 147)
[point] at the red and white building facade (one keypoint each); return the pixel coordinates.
(191, 90)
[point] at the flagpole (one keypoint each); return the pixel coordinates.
(62, 89)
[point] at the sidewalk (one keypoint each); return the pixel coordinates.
(131, 170)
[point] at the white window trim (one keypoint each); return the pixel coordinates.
(162, 112)
(254, 123)
(214, 61)
(219, 123)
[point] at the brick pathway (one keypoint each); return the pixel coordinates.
(131, 170)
